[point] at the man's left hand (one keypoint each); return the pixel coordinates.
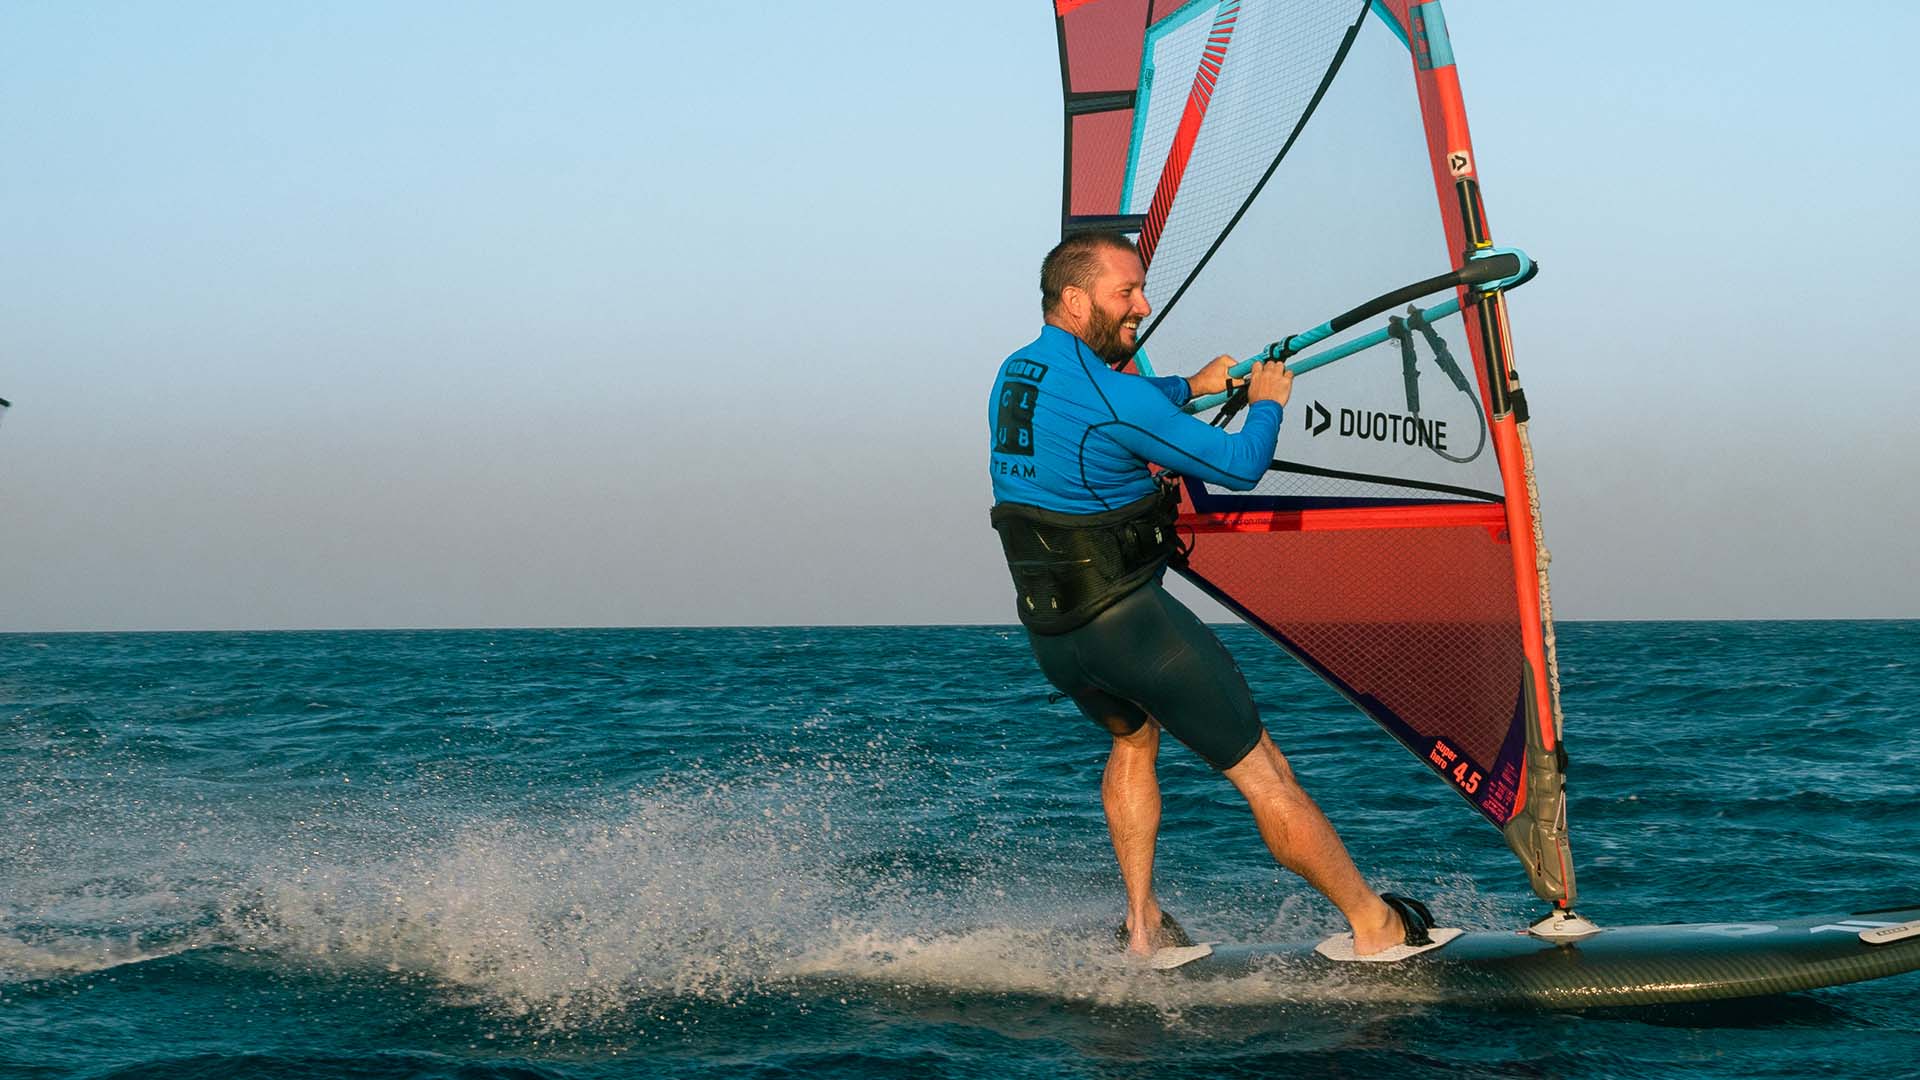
(1211, 379)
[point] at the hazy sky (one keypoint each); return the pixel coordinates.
(413, 314)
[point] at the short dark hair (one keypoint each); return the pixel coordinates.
(1076, 261)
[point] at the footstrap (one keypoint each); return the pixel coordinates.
(1413, 915)
(1421, 935)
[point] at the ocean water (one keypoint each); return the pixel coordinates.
(868, 852)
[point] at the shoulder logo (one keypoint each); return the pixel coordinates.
(1020, 367)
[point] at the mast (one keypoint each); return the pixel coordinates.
(1537, 833)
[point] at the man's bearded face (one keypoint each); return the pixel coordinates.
(1113, 334)
(1118, 304)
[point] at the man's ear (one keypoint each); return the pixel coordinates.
(1075, 300)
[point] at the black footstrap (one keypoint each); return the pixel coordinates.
(1413, 915)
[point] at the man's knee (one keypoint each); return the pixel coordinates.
(1144, 737)
(1264, 768)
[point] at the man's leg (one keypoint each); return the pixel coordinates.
(1130, 791)
(1302, 840)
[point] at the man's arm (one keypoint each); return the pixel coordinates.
(1177, 389)
(1161, 433)
(1208, 380)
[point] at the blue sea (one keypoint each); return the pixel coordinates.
(868, 852)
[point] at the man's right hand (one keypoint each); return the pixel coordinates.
(1269, 381)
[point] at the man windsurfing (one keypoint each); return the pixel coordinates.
(1088, 530)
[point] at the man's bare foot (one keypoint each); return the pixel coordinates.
(1143, 930)
(1154, 930)
(1381, 930)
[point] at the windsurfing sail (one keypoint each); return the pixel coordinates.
(1278, 163)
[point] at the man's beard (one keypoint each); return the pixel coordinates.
(1103, 337)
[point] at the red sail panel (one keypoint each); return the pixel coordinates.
(1413, 622)
(1100, 43)
(1099, 142)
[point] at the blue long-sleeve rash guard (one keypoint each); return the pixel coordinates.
(1074, 436)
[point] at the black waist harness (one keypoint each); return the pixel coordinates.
(1068, 568)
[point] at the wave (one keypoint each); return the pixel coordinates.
(715, 891)
(23, 961)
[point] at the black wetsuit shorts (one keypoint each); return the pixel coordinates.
(1148, 656)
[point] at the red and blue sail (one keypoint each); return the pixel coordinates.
(1279, 162)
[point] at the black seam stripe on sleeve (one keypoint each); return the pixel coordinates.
(1250, 480)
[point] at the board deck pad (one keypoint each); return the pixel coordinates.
(1340, 947)
(1887, 935)
(1174, 956)
(1622, 965)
